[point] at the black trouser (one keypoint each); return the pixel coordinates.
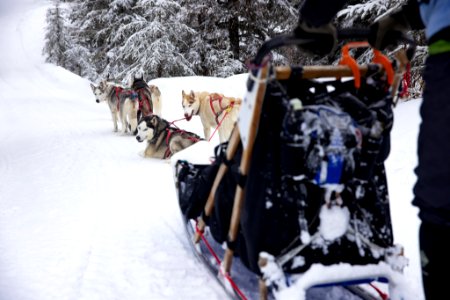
(432, 189)
(435, 258)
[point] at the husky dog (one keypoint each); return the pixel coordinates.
(149, 96)
(163, 140)
(214, 110)
(122, 102)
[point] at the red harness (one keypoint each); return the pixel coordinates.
(169, 134)
(144, 102)
(118, 90)
(217, 97)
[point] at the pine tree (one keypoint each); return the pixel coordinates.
(56, 36)
(192, 37)
(231, 31)
(154, 41)
(89, 35)
(79, 61)
(172, 38)
(210, 49)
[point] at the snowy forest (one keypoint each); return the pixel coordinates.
(167, 38)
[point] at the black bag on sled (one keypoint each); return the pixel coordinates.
(312, 135)
(195, 182)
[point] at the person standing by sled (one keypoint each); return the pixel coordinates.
(432, 188)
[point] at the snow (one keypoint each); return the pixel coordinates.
(83, 215)
(334, 222)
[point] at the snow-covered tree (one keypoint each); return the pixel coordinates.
(95, 24)
(263, 20)
(172, 38)
(186, 37)
(231, 31)
(154, 41)
(210, 49)
(79, 62)
(56, 42)
(87, 46)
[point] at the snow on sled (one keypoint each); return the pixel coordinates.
(295, 205)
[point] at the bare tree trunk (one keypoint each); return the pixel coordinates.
(233, 31)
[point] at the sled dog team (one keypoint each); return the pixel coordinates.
(138, 108)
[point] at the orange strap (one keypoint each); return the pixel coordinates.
(351, 62)
(378, 58)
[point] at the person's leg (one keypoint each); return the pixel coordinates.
(435, 259)
(432, 189)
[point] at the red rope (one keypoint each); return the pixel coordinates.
(383, 295)
(217, 127)
(226, 275)
(173, 122)
(198, 231)
(406, 82)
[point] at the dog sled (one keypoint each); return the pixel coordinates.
(295, 205)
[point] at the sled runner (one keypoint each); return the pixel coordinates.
(295, 205)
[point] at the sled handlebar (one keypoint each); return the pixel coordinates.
(342, 34)
(353, 34)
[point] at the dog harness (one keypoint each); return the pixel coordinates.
(171, 130)
(217, 97)
(139, 86)
(144, 102)
(119, 90)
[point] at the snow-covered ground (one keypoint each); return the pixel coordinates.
(83, 215)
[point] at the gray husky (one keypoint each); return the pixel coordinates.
(122, 102)
(163, 140)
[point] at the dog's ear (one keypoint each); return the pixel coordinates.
(192, 94)
(92, 87)
(182, 93)
(102, 85)
(139, 74)
(154, 121)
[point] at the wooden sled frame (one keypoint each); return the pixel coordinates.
(258, 79)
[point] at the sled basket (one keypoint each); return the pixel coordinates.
(301, 181)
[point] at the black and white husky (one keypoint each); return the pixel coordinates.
(123, 104)
(163, 140)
